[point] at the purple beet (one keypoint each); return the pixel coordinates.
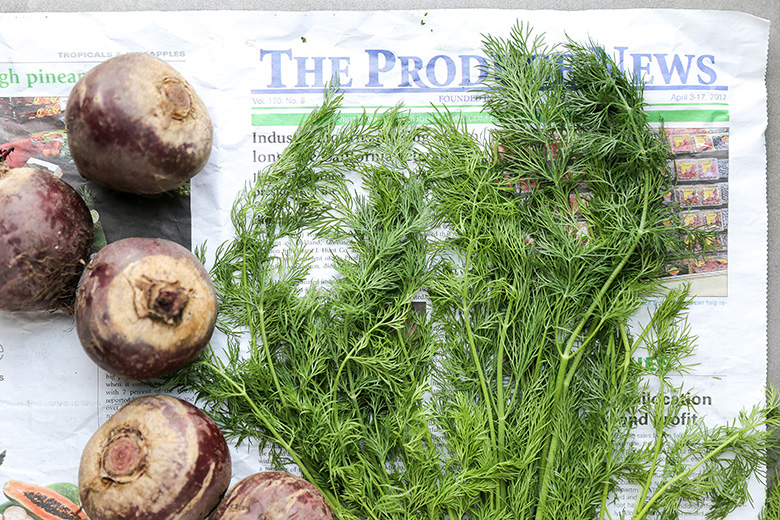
(273, 495)
(136, 125)
(46, 235)
(157, 458)
(145, 307)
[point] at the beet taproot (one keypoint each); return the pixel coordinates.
(144, 307)
(156, 458)
(136, 125)
(46, 235)
(273, 495)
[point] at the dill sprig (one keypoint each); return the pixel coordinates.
(331, 376)
(515, 393)
(559, 237)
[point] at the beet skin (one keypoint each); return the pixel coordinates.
(273, 495)
(136, 125)
(46, 234)
(157, 458)
(144, 307)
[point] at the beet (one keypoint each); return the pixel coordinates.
(144, 307)
(273, 495)
(136, 125)
(46, 234)
(157, 458)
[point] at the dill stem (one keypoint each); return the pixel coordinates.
(629, 352)
(501, 412)
(267, 350)
(604, 497)
(360, 418)
(642, 497)
(623, 370)
(680, 476)
(482, 382)
(358, 346)
(562, 381)
(428, 434)
(263, 334)
(355, 407)
(577, 357)
(659, 432)
(552, 448)
(475, 356)
(604, 288)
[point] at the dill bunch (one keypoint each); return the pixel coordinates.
(472, 358)
(560, 235)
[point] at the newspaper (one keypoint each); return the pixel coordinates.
(261, 72)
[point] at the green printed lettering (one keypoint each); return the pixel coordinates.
(8, 78)
(49, 78)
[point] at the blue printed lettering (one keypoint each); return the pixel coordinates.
(677, 66)
(374, 69)
(706, 69)
(465, 62)
(316, 71)
(619, 59)
(642, 68)
(340, 67)
(410, 71)
(276, 66)
(430, 70)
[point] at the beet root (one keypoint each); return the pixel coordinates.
(136, 125)
(46, 235)
(273, 495)
(157, 458)
(144, 307)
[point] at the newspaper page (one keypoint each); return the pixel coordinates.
(259, 74)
